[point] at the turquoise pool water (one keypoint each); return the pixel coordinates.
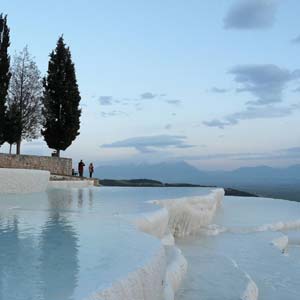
(66, 244)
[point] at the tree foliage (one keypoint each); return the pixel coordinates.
(24, 101)
(4, 73)
(61, 100)
(13, 125)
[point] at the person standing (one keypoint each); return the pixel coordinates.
(80, 168)
(91, 169)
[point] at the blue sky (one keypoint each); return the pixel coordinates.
(215, 83)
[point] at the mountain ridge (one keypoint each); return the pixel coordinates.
(183, 172)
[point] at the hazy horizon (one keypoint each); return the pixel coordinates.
(212, 83)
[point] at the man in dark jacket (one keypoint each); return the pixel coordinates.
(80, 168)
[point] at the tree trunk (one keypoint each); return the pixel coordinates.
(10, 146)
(58, 152)
(18, 148)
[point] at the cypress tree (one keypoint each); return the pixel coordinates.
(61, 99)
(4, 73)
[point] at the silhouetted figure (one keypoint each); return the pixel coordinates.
(80, 168)
(91, 169)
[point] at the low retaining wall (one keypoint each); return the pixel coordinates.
(14, 181)
(55, 165)
(67, 184)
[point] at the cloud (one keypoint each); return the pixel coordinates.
(138, 107)
(174, 102)
(137, 102)
(251, 14)
(216, 123)
(105, 100)
(289, 153)
(148, 95)
(218, 156)
(218, 90)
(113, 113)
(253, 112)
(296, 40)
(297, 90)
(145, 144)
(125, 101)
(261, 113)
(265, 82)
(294, 150)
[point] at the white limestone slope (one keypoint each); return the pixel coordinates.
(175, 272)
(178, 217)
(281, 243)
(251, 292)
(22, 181)
(162, 275)
(155, 223)
(188, 215)
(146, 283)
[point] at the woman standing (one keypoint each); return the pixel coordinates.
(91, 170)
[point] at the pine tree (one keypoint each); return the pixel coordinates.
(4, 73)
(61, 100)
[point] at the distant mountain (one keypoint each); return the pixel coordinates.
(264, 175)
(281, 183)
(183, 172)
(166, 172)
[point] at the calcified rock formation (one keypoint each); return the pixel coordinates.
(162, 276)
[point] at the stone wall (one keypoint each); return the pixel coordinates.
(56, 165)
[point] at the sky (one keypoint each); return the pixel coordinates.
(215, 83)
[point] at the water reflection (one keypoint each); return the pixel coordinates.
(80, 198)
(59, 262)
(9, 249)
(91, 198)
(83, 196)
(59, 200)
(18, 257)
(39, 251)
